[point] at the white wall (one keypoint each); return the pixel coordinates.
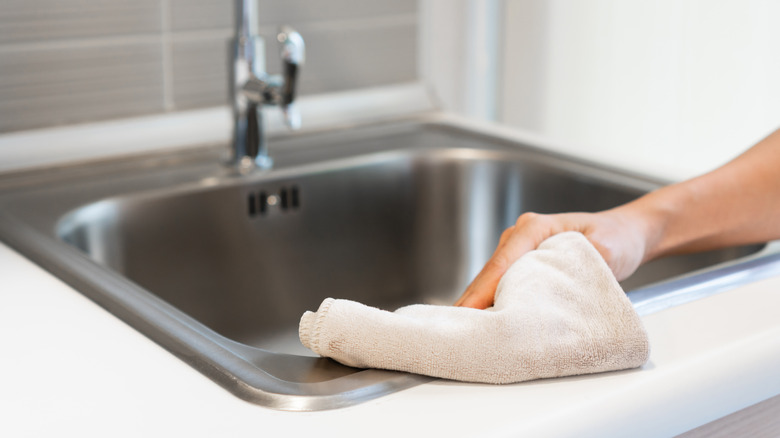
(670, 87)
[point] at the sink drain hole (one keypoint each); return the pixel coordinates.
(286, 199)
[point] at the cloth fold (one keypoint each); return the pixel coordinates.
(558, 311)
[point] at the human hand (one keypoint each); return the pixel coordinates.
(618, 235)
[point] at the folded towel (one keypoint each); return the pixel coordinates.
(558, 311)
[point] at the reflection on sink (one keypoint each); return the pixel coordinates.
(388, 230)
(219, 269)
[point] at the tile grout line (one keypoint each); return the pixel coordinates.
(362, 23)
(167, 57)
(82, 43)
(199, 34)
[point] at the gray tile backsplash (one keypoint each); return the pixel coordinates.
(201, 14)
(359, 57)
(200, 76)
(72, 61)
(46, 20)
(332, 10)
(45, 86)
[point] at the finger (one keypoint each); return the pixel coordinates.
(481, 292)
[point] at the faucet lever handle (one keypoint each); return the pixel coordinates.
(293, 56)
(292, 116)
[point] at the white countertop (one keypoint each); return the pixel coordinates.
(70, 368)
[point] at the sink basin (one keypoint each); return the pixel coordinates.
(218, 268)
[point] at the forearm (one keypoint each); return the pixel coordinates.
(738, 203)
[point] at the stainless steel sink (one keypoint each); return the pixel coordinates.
(218, 268)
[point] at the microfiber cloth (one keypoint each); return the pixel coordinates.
(558, 311)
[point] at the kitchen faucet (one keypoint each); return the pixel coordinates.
(251, 87)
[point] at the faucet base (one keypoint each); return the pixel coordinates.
(246, 164)
(263, 162)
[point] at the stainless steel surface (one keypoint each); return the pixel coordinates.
(251, 87)
(707, 282)
(219, 268)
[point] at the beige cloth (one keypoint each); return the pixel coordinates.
(558, 311)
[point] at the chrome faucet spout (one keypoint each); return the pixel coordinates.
(251, 87)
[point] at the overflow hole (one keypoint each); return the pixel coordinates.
(252, 207)
(294, 197)
(284, 198)
(263, 198)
